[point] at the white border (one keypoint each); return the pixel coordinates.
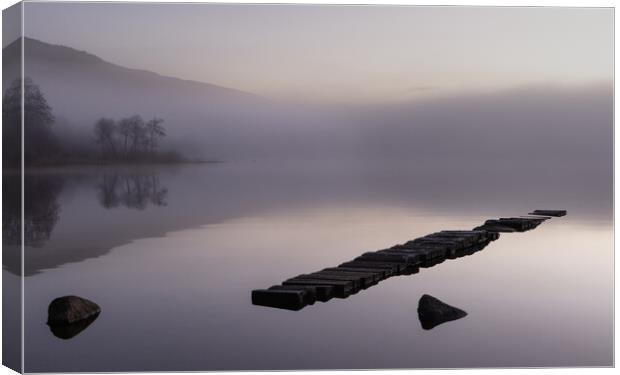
(573, 3)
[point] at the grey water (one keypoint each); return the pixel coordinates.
(172, 253)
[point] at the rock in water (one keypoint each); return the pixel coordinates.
(433, 312)
(71, 309)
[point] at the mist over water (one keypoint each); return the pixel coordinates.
(172, 252)
(560, 123)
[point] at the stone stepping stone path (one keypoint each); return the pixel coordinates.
(407, 258)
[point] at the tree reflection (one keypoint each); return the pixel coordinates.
(135, 191)
(41, 208)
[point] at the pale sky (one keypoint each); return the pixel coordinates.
(344, 53)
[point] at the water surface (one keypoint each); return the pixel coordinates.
(172, 253)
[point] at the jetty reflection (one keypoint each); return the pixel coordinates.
(404, 259)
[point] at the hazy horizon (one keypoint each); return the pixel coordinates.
(229, 187)
(359, 54)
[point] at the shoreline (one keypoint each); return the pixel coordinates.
(106, 164)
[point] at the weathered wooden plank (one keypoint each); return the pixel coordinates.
(282, 299)
(555, 213)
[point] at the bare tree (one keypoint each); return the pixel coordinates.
(105, 134)
(129, 138)
(124, 129)
(137, 134)
(40, 141)
(154, 130)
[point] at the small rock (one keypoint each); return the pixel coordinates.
(70, 309)
(433, 312)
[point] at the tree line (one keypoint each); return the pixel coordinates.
(129, 138)
(39, 139)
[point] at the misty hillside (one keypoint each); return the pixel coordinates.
(528, 125)
(81, 87)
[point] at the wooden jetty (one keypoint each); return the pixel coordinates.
(403, 259)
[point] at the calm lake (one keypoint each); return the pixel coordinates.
(172, 253)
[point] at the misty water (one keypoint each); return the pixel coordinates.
(172, 253)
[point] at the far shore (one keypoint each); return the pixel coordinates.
(94, 163)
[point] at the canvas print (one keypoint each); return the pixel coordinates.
(210, 187)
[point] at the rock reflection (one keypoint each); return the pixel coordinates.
(66, 332)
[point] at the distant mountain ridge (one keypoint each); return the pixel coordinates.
(58, 53)
(82, 87)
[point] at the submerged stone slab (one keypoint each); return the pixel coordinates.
(321, 293)
(518, 225)
(497, 228)
(282, 299)
(555, 213)
(380, 273)
(340, 288)
(466, 240)
(481, 235)
(433, 312)
(309, 293)
(390, 258)
(377, 274)
(394, 268)
(438, 242)
(70, 309)
(359, 280)
(538, 218)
